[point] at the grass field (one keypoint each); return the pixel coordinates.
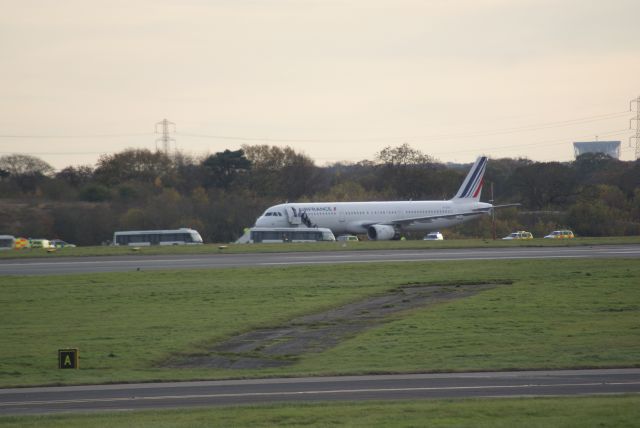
(623, 411)
(319, 246)
(556, 313)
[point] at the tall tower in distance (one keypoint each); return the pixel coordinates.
(637, 126)
(165, 139)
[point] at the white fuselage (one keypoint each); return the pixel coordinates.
(356, 217)
(386, 220)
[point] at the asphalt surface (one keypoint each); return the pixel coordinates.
(295, 390)
(69, 265)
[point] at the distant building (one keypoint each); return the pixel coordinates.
(611, 148)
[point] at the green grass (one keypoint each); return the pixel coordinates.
(622, 411)
(319, 246)
(557, 313)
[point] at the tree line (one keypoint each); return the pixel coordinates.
(222, 193)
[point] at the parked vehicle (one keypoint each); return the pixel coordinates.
(290, 234)
(521, 234)
(433, 236)
(138, 238)
(21, 243)
(560, 234)
(7, 242)
(347, 238)
(39, 243)
(59, 243)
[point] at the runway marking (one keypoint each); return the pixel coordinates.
(443, 259)
(417, 255)
(461, 252)
(96, 262)
(298, 393)
(206, 258)
(222, 261)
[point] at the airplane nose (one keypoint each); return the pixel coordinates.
(264, 222)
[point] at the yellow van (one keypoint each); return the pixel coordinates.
(560, 234)
(521, 234)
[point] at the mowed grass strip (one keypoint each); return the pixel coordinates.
(555, 314)
(621, 411)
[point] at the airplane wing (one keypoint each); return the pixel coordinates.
(430, 218)
(506, 205)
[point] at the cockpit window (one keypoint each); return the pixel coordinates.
(268, 214)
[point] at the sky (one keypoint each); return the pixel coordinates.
(338, 80)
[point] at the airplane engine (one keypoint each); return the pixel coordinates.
(379, 232)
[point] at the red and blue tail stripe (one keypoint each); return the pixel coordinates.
(472, 185)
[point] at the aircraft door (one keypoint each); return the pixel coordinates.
(341, 215)
(293, 215)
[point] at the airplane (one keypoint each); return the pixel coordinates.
(386, 220)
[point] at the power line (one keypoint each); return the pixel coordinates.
(540, 126)
(535, 127)
(54, 153)
(564, 123)
(545, 143)
(76, 136)
(257, 139)
(166, 139)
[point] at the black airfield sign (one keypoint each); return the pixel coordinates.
(68, 358)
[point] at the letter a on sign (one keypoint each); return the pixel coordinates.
(68, 358)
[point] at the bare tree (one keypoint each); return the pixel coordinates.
(18, 164)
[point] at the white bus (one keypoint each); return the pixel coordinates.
(7, 242)
(137, 238)
(290, 234)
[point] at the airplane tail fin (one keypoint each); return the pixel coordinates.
(472, 184)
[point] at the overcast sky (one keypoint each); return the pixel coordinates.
(337, 80)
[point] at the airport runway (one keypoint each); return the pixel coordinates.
(295, 390)
(68, 265)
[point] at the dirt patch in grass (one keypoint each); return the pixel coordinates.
(282, 345)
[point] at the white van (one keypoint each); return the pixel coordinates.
(433, 236)
(7, 242)
(347, 238)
